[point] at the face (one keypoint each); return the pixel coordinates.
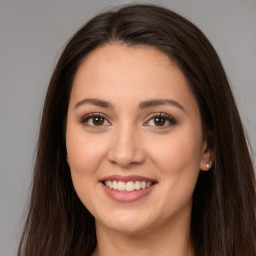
(134, 139)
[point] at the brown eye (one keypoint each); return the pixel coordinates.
(98, 120)
(95, 120)
(159, 121)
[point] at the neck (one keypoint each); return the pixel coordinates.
(171, 239)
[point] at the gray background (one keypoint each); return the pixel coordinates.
(32, 35)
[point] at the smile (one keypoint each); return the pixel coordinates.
(127, 186)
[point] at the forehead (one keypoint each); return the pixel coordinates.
(132, 56)
(119, 72)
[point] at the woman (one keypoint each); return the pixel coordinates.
(141, 148)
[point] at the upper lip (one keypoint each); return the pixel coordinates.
(127, 178)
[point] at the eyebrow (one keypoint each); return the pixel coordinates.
(95, 102)
(159, 102)
(142, 105)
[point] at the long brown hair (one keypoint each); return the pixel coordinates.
(223, 221)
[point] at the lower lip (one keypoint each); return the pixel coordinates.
(123, 196)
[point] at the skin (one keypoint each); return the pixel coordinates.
(128, 142)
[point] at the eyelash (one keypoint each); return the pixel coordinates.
(164, 116)
(84, 120)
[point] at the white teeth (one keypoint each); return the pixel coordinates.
(127, 186)
(137, 185)
(130, 186)
(121, 186)
(114, 184)
(110, 184)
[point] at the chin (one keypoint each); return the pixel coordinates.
(127, 222)
(129, 228)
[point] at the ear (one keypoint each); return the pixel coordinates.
(207, 158)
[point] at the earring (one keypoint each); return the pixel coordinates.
(207, 166)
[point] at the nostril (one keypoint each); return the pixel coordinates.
(126, 160)
(125, 150)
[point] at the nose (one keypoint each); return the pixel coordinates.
(126, 149)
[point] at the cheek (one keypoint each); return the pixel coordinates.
(177, 153)
(178, 163)
(178, 159)
(85, 152)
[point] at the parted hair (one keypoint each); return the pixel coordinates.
(223, 219)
